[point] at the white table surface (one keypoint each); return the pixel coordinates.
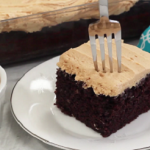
(12, 136)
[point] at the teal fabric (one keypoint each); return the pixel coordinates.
(144, 42)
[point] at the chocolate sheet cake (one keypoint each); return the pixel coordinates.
(31, 29)
(107, 101)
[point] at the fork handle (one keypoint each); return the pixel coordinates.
(103, 8)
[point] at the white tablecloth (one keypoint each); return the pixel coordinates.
(12, 136)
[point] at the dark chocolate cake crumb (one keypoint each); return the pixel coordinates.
(104, 114)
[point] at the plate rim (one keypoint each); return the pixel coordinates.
(34, 135)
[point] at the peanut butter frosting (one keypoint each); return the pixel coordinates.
(135, 67)
(17, 8)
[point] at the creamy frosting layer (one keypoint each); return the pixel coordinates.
(17, 8)
(135, 67)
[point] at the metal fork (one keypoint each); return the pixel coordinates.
(105, 27)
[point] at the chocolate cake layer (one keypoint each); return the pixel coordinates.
(18, 46)
(135, 21)
(103, 114)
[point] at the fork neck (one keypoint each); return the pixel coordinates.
(103, 8)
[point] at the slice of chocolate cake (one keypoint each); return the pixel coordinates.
(107, 101)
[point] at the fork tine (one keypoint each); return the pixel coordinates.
(118, 48)
(94, 52)
(102, 49)
(109, 43)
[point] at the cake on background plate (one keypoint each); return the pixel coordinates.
(36, 28)
(107, 101)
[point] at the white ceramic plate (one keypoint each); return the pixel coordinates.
(32, 105)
